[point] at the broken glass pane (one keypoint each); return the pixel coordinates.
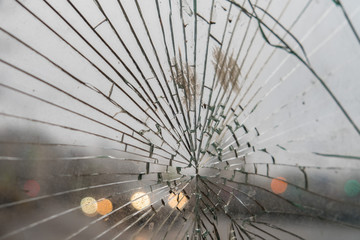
(179, 119)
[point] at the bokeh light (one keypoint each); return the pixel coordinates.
(32, 188)
(104, 206)
(89, 206)
(177, 200)
(140, 202)
(278, 185)
(352, 188)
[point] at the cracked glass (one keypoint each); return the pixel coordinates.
(179, 119)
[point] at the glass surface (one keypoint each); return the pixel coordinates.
(179, 119)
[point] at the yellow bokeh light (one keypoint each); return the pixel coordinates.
(142, 200)
(104, 206)
(177, 200)
(88, 205)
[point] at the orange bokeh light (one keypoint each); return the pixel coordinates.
(104, 206)
(178, 200)
(278, 185)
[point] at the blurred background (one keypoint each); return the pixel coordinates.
(179, 119)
